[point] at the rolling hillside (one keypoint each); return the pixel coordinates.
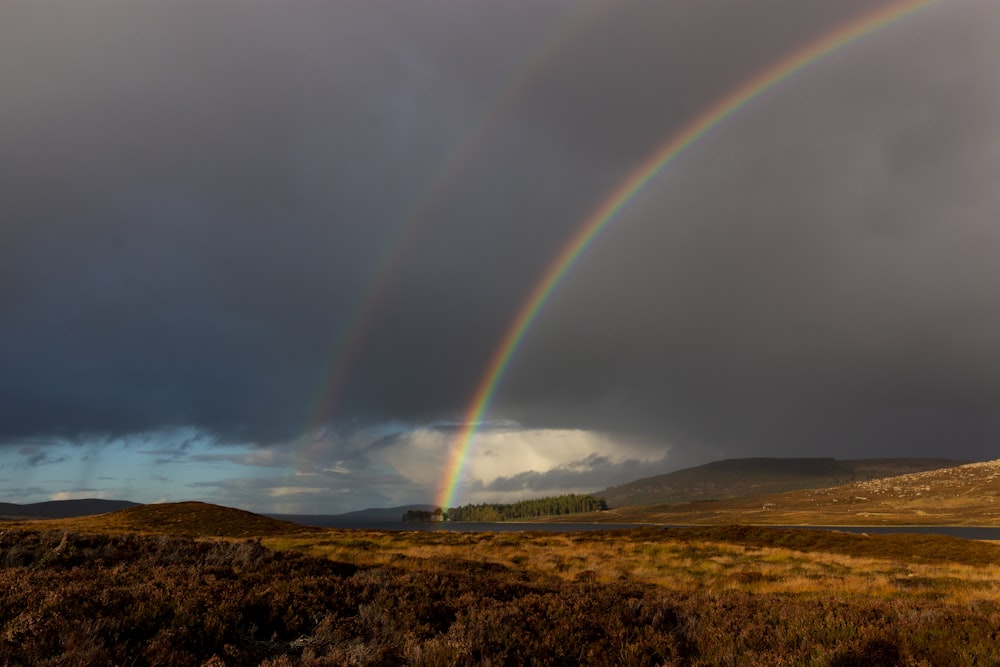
(191, 519)
(965, 495)
(739, 478)
(61, 509)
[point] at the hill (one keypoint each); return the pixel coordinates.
(191, 519)
(965, 495)
(738, 478)
(62, 509)
(361, 518)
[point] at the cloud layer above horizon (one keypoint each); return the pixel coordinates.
(202, 202)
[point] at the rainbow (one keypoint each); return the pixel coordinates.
(612, 205)
(349, 341)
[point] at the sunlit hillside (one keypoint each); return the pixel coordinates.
(961, 495)
(738, 478)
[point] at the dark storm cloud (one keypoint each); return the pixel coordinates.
(195, 195)
(817, 280)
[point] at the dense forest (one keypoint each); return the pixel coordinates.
(525, 509)
(424, 516)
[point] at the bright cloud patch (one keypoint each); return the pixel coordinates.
(511, 463)
(80, 494)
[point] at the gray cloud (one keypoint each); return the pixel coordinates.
(196, 199)
(814, 278)
(36, 456)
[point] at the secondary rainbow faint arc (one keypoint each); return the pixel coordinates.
(628, 188)
(350, 338)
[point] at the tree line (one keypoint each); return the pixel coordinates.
(572, 503)
(424, 516)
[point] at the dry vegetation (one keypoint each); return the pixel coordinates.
(743, 558)
(91, 592)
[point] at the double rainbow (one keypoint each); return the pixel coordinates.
(612, 205)
(348, 344)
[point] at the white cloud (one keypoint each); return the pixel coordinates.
(511, 463)
(80, 494)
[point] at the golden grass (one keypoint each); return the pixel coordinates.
(752, 560)
(696, 595)
(655, 557)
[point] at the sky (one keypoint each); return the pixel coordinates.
(262, 254)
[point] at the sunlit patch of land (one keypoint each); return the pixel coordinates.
(731, 558)
(966, 495)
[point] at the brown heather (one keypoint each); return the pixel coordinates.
(90, 592)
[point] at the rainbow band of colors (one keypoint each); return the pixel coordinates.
(347, 346)
(612, 205)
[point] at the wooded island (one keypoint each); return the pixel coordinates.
(525, 509)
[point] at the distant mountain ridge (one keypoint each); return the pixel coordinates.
(62, 509)
(739, 478)
(372, 515)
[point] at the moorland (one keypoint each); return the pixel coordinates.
(199, 584)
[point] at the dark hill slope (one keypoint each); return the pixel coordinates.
(359, 518)
(62, 509)
(191, 519)
(741, 478)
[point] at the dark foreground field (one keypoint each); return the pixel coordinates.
(709, 596)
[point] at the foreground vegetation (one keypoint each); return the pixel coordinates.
(699, 596)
